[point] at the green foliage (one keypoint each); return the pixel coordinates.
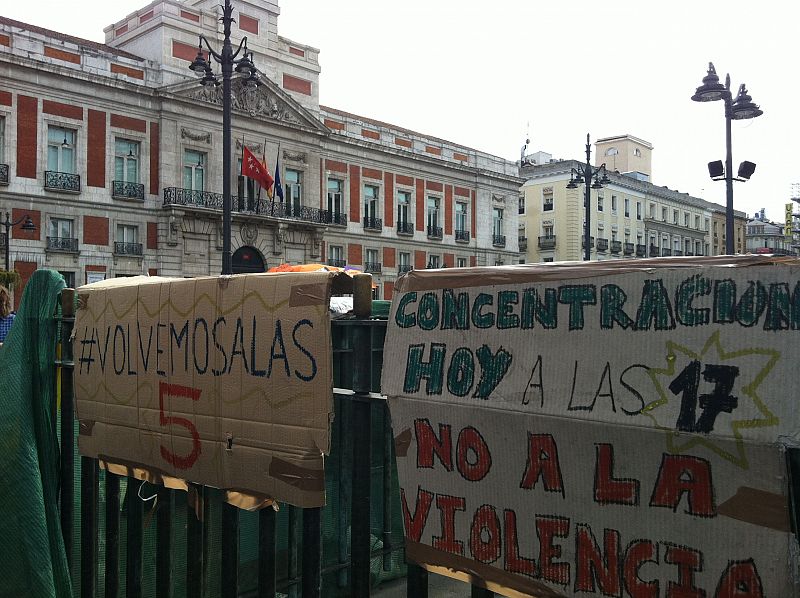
(10, 279)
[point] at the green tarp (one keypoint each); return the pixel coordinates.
(34, 562)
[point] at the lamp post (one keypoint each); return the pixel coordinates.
(742, 108)
(227, 59)
(593, 178)
(27, 225)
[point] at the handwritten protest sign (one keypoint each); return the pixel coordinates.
(223, 381)
(615, 429)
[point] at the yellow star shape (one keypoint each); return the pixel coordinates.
(679, 442)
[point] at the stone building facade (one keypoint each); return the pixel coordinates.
(630, 216)
(115, 152)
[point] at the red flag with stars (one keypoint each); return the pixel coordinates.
(254, 169)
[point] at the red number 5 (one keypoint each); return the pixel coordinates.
(178, 390)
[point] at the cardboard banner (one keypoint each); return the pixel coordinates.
(614, 429)
(222, 381)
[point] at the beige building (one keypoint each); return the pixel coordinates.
(625, 154)
(115, 152)
(630, 217)
(718, 236)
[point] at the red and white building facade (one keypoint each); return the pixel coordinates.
(115, 152)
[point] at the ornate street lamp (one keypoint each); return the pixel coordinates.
(228, 61)
(27, 225)
(742, 108)
(592, 178)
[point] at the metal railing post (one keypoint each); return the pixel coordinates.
(133, 569)
(164, 543)
(195, 548)
(89, 507)
(362, 370)
(388, 443)
(266, 552)
(230, 551)
(112, 534)
(416, 581)
(292, 549)
(67, 423)
(312, 553)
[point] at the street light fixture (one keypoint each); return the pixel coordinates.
(27, 225)
(742, 108)
(227, 59)
(592, 178)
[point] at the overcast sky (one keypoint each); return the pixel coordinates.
(484, 74)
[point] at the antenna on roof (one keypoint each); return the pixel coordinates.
(525, 147)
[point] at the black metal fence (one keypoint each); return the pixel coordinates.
(128, 537)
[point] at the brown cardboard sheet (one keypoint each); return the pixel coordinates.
(221, 381)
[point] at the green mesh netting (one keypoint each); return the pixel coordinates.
(34, 561)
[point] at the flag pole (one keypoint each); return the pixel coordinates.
(244, 189)
(258, 195)
(272, 196)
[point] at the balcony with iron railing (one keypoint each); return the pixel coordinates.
(462, 235)
(547, 242)
(277, 209)
(404, 268)
(627, 249)
(499, 240)
(62, 244)
(3, 174)
(654, 251)
(522, 243)
(434, 232)
(665, 252)
(583, 242)
(206, 200)
(375, 224)
(641, 250)
(337, 263)
(123, 248)
(602, 244)
(337, 218)
(177, 196)
(127, 190)
(616, 246)
(405, 228)
(677, 252)
(372, 267)
(62, 181)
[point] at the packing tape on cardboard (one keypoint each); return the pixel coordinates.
(303, 295)
(457, 278)
(303, 478)
(83, 300)
(758, 507)
(242, 499)
(477, 573)
(402, 442)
